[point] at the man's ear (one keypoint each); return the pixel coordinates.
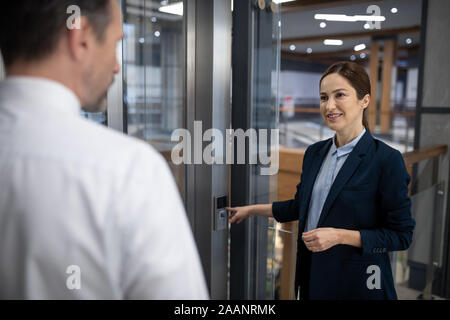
(79, 40)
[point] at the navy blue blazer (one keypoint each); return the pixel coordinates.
(369, 194)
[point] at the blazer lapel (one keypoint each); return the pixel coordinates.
(310, 177)
(350, 165)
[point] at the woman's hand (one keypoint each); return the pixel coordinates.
(321, 239)
(239, 213)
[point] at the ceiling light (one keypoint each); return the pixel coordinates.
(353, 57)
(343, 17)
(154, 19)
(309, 50)
(157, 33)
(332, 42)
(292, 47)
(362, 55)
(141, 40)
(366, 26)
(360, 47)
(322, 25)
(394, 10)
(173, 8)
(281, 1)
(408, 41)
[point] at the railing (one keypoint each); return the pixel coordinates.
(289, 176)
(424, 257)
(407, 114)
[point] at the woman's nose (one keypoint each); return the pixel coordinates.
(331, 105)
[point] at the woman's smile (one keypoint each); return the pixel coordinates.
(334, 116)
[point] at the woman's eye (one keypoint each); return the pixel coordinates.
(339, 95)
(323, 98)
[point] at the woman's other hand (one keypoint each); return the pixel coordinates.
(321, 239)
(239, 213)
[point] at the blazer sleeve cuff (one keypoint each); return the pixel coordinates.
(366, 242)
(369, 244)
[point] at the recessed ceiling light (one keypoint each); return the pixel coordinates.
(322, 25)
(394, 10)
(154, 19)
(141, 40)
(366, 26)
(343, 17)
(360, 47)
(157, 33)
(333, 42)
(408, 41)
(352, 57)
(281, 1)
(173, 8)
(292, 47)
(362, 55)
(309, 50)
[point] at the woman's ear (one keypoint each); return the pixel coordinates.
(365, 101)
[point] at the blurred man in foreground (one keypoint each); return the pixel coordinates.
(85, 212)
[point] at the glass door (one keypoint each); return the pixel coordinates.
(256, 64)
(154, 74)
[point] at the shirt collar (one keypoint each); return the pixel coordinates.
(39, 93)
(344, 150)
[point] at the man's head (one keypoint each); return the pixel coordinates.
(44, 38)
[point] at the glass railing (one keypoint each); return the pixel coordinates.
(302, 125)
(282, 248)
(418, 272)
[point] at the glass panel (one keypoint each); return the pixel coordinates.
(153, 73)
(263, 188)
(281, 262)
(417, 271)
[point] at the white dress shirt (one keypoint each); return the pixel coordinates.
(85, 212)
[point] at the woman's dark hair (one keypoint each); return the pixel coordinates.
(357, 76)
(30, 29)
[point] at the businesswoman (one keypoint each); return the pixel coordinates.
(352, 201)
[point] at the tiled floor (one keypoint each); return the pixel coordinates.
(405, 293)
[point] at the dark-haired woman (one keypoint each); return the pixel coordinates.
(352, 201)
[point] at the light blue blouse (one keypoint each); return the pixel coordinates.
(330, 167)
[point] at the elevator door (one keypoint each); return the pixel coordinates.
(256, 65)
